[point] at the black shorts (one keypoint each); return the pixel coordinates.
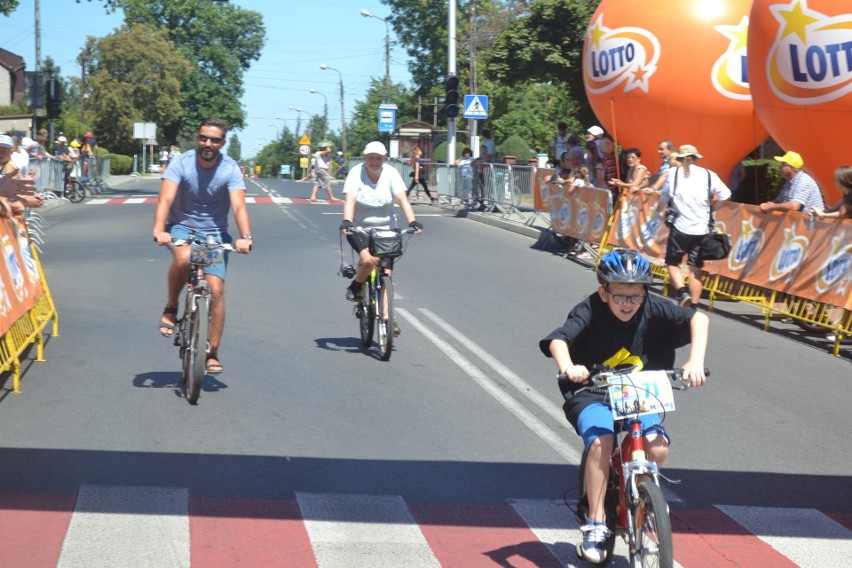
(680, 244)
(360, 241)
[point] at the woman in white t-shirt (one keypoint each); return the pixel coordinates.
(370, 190)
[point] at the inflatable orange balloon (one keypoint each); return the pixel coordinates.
(673, 70)
(800, 66)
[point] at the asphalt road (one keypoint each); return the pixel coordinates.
(465, 413)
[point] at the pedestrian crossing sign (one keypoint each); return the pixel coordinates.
(476, 106)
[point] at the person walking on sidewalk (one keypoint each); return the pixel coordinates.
(419, 174)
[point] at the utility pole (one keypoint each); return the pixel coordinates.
(83, 62)
(38, 62)
(451, 70)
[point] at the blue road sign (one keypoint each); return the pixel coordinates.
(476, 106)
(387, 117)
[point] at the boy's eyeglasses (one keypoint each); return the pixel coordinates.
(213, 139)
(621, 299)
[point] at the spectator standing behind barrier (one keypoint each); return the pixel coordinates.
(735, 179)
(843, 208)
(800, 192)
(593, 159)
(490, 154)
(466, 174)
(559, 143)
(575, 148)
(688, 191)
(607, 169)
(636, 174)
(665, 149)
(20, 157)
(85, 153)
(419, 174)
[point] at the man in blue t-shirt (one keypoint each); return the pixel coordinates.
(199, 188)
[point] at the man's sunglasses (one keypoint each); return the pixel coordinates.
(214, 139)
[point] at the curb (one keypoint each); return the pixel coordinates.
(520, 228)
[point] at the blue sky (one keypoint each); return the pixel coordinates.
(300, 35)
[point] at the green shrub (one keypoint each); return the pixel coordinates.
(763, 180)
(120, 165)
(516, 146)
(439, 154)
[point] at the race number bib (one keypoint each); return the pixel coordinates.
(644, 392)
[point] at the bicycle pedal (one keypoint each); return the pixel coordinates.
(359, 312)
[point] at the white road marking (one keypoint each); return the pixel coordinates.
(805, 536)
(364, 530)
(133, 527)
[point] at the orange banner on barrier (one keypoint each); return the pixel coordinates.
(579, 212)
(20, 284)
(771, 250)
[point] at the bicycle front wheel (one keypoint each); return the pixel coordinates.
(653, 529)
(385, 317)
(74, 191)
(198, 335)
(367, 317)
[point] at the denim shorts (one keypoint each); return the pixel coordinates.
(596, 420)
(184, 232)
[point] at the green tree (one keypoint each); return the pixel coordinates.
(364, 127)
(8, 6)
(129, 85)
(234, 147)
(220, 39)
(545, 45)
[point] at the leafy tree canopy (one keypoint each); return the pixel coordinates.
(220, 39)
(131, 86)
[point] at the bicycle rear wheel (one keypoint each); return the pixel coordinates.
(367, 319)
(385, 317)
(653, 542)
(196, 365)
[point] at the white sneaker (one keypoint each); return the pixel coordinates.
(593, 548)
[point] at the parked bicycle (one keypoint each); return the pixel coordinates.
(193, 327)
(375, 308)
(634, 503)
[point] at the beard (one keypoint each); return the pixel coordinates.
(208, 154)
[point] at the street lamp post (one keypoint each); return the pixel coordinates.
(298, 119)
(367, 14)
(324, 110)
(277, 132)
(323, 66)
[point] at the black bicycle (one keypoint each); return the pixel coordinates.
(193, 328)
(375, 308)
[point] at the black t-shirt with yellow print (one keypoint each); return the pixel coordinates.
(596, 337)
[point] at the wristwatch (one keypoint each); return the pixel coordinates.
(246, 236)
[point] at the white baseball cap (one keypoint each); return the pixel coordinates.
(375, 147)
(27, 142)
(595, 130)
(62, 139)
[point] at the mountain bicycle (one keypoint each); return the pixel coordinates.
(634, 503)
(72, 189)
(375, 307)
(192, 335)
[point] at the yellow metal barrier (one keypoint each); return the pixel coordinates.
(28, 330)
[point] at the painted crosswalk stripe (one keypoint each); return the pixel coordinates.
(553, 524)
(133, 527)
(806, 536)
(363, 530)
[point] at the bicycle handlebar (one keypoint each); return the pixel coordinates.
(405, 231)
(199, 242)
(600, 374)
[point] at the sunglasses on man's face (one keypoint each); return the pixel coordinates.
(213, 139)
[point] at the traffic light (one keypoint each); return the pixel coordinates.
(451, 97)
(54, 100)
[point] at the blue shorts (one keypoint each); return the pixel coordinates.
(596, 420)
(184, 232)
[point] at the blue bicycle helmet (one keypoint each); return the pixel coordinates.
(624, 266)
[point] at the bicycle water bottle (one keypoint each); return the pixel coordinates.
(811, 222)
(211, 241)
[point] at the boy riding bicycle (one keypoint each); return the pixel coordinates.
(619, 324)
